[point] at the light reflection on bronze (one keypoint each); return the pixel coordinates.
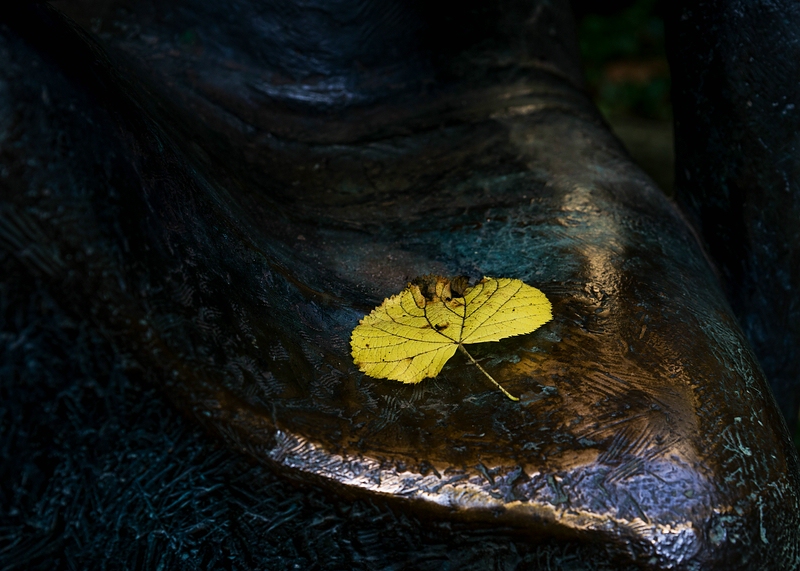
(645, 425)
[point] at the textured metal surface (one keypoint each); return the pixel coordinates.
(233, 259)
(737, 98)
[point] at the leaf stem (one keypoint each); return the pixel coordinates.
(474, 362)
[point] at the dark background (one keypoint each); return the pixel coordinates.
(627, 74)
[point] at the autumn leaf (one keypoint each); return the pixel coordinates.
(413, 334)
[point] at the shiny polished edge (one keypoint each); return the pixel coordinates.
(674, 543)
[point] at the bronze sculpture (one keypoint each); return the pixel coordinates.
(236, 221)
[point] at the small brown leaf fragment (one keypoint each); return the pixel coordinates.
(459, 285)
(426, 285)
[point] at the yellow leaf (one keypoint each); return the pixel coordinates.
(413, 334)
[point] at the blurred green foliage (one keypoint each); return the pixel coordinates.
(625, 61)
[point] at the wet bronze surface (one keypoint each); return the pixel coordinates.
(233, 247)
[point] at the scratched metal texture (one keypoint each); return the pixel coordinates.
(737, 95)
(230, 260)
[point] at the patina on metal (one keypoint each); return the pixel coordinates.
(235, 213)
